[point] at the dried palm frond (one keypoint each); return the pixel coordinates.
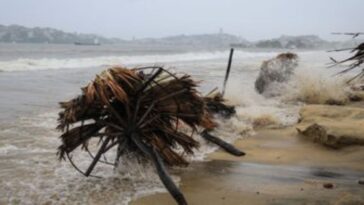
(215, 103)
(354, 35)
(138, 111)
(355, 60)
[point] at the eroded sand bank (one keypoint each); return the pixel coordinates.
(280, 168)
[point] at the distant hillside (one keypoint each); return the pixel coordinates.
(227, 40)
(21, 34)
(304, 42)
(202, 40)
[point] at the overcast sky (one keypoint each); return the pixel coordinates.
(251, 19)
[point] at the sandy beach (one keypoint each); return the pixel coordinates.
(280, 168)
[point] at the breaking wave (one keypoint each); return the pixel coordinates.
(28, 64)
(313, 89)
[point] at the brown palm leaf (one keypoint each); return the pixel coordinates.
(136, 110)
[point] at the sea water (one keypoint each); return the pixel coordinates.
(34, 78)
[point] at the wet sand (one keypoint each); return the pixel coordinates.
(279, 168)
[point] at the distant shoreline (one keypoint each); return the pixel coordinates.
(37, 35)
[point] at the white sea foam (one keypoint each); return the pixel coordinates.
(4, 150)
(316, 87)
(27, 64)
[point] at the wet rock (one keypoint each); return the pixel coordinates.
(319, 134)
(361, 182)
(328, 185)
(332, 126)
(276, 70)
(335, 102)
(355, 98)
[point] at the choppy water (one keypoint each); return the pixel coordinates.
(36, 77)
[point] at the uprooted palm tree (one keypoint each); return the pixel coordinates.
(138, 111)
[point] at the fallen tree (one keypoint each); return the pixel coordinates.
(145, 111)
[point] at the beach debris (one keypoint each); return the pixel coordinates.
(276, 70)
(148, 111)
(227, 71)
(226, 146)
(216, 104)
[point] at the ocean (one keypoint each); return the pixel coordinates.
(35, 77)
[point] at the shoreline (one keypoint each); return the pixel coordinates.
(280, 168)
